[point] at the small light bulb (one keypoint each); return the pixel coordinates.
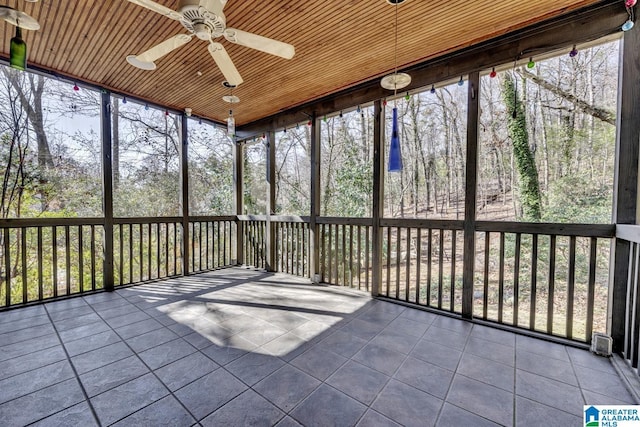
(124, 99)
(407, 96)
(461, 82)
(359, 109)
(493, 73)
(573, 52)
(627, 25)
(146, 106)
(75, 87)
(531, 64)
(309, 123)
(433, 89)
(630, 3)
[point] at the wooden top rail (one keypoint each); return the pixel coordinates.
(48, 222)
(147, 220)
(344, 221)
(581, 230)
(441, 224)
(207, 218)
(628, 232)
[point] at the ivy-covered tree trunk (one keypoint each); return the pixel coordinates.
(525, 162)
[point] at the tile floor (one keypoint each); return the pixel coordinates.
(239, 347)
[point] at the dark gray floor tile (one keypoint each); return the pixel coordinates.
(151, 339)
(23, 313)
(445, 337)
(23, 323)
(83, 331)
(458, 326)
(490, 350)
(166, 353)
(318, 362)
(482, 399)
(585, 358)
(286, 387)
(110, 376)
(165, 412)
(288, 422)
(487, 371)
(285, 319)
(358, 381)
(328, 407)
(74, 322)
(343, 343)
(285, 344)
(397, 341)
(312, 331)
(181, 372)
(83, 310)
(452, 416)
(119, 321)
(380, 358)
(91, 342)
(65, 304)
(26, 334)
(42, 403)
(403, 325)
(110, 312)
(445, 357)
(77, 415)
(197, 340)
(180, 329)
(425, 376)
(210, 392)
(252, 367)
(547, 391)
(138, 328)
(363, 329)
(497, 336)
(533, 414)
(421, 316)
(593, 398)
(94, 359)
(30, 361)
(546, 366)
(127, 398)
(374, 419)
(28, 346)
(30, 381)
(378, 317)
(545, 348)
(406, 405)
(603, 383)
(234, 348)
(235, 413)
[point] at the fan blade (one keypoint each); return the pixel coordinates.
(214, 6)
(158, 8)
(145, 59)
(264, 44)
(224, 62)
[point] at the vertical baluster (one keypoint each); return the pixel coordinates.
(407, 266)
(516, 279)
(192, 236)
(366, 257)
(418, 263)
(330, 256)
(501, 280)
(552, 281)
(54, 258)
(158, 252)
(80, 260)
(67, 244)
(534, 282)
(175, 249)
(635, 322)
(441, 268)
(633, 247)
(149, 251)
(351, 256)
(591, 287)
(429, 260)
(7, 268)
(131, 253)
(485, 294)
(305, 252)
(388, 290)
(23, 247)
(39, 252)
(359, 256)
(398, 256)
(121, 255)
(140, 251)
(166, 249)
(344, 255)
(452, 294)
(571, 286)
(93, 257)
(323, 257)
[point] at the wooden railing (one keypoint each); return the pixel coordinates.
(48, 258)
(422, 262)
(630, 235)
(345, 252)
(253, 230)
(212, 242)
(291, 245)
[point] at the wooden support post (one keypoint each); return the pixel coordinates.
(378, 195)
(314, 229)
(184, 195)
(626, 178)
(238, 172)
(107, 189)
(471, 182)
(271, 201)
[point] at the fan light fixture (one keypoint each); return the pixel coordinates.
(394, 82)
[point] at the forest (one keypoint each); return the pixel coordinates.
(547, 153)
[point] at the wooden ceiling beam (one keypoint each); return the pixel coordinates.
(576, 27)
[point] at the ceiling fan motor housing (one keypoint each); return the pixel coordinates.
(204, 23)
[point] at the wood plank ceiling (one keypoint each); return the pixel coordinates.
(338, 44)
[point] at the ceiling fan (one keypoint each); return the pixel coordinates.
(205, 20)
(18, 48)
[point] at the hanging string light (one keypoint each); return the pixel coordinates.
(461, 81)
(574, 52)
(493, 73)
(433, 89)
(75, 87)
(394, 82)
(124, 99)
(628, 4)
(531, 64)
